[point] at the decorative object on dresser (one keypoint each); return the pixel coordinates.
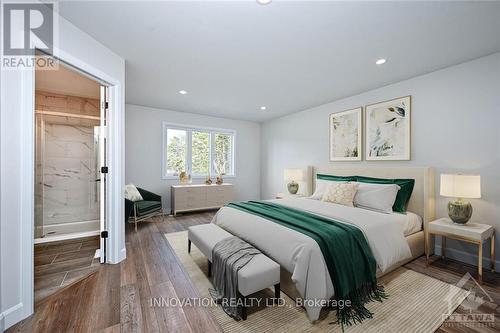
(345, 135)
(220, 169)
(194, 197)
(292, 176)
(208, 181)
(460, 187)
(144, 206)
(183, 177)
(388, 128)
(474, 233)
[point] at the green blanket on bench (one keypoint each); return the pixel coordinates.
(347, 254)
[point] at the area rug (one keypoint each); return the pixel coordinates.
(416, 303)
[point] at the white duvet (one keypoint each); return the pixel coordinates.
(301, 256)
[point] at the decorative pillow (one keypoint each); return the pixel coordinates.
(404, 193)
(321, 187)
(132, 193)
(322, 182)
(378, 197)
(341, 193)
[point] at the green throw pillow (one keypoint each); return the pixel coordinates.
(404, 192)
(336, 178)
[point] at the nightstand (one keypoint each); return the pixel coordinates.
(474, 233)
(288, 195)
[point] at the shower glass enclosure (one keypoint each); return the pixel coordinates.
(66, 175)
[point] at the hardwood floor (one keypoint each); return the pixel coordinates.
(117, 298)
(59, 264)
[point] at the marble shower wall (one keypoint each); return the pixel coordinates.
(66, 190)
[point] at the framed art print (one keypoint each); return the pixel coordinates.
(388, 129)
(345, 135)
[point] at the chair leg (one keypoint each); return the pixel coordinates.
(209, 268)
(189, 246)
(277, 293)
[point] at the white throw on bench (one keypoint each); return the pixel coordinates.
(260, 273)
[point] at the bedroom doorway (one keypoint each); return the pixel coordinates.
(71, 126)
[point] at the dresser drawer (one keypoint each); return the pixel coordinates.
(189, 192)
(185, 198)
(219, 195)
(216, 201)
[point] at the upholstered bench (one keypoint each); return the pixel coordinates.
(260, 273)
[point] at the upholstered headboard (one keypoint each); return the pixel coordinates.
(422, 201)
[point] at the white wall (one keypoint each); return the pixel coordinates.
(17, 165)
(143, 142)
(455, 125)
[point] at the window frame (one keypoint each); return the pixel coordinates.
(189, 147)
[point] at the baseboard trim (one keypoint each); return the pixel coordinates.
(122, 256)
(74, 235)
(12, 316)
(2, 323)
(467, 257)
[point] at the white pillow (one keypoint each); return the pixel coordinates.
(132, 193)
(321, 187)
(341, 193)
(378, 197)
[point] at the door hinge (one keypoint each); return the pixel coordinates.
(106, 105)
(104, 169)
(104, 234)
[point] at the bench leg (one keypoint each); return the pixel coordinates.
(244, 312)
(277, 293)
(135, 218)
(209, 268)
(243, 307)
(189, 246)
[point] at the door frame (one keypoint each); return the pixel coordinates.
(116, 180)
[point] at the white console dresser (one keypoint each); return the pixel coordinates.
(185, 198)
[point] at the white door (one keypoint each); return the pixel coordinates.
(103, 135)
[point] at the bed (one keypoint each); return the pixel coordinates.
(395, 239)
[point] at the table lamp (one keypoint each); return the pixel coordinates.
(292, 176)
(460, 187)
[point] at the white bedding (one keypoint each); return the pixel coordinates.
(412, 223)
(301, 255)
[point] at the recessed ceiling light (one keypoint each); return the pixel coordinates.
(264, 2)
(380, 61)
(263, 108)
(183, 92)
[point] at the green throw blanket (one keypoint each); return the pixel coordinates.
(347, 254)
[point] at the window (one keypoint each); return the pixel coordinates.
(200, 152)
(176, 151)
(223, 153)
(197, 151)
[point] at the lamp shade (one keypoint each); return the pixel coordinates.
(294, 174)
(460, 186)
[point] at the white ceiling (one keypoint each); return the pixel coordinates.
(235, 56)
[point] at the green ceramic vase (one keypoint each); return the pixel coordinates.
(293, 187)
(459, 211)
